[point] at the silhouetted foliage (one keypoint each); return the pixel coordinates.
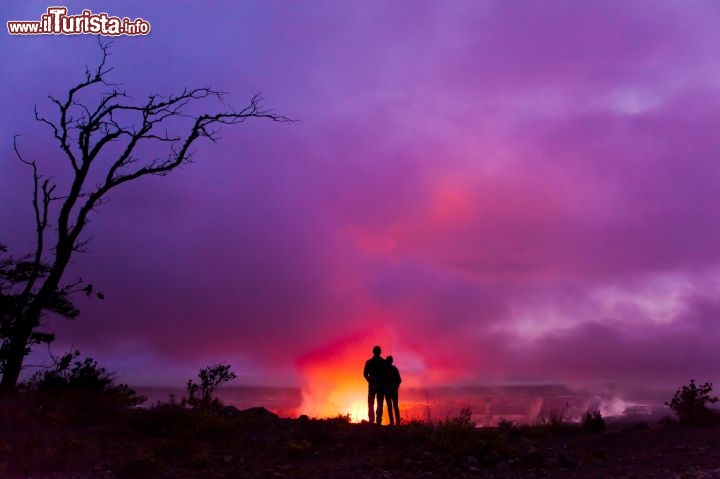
(454, 433)
(84, 377)
(506, 425)
(690, 403)
(16, 275)
(105, 137)
(464, 419)
(211, 377)
(341, 418)
(592, 421)
(554, 420)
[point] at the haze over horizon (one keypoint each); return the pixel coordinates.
(495, 192)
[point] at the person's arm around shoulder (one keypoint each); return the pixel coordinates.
(398, 379)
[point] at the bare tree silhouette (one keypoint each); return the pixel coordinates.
(109, 135)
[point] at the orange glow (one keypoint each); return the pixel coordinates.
(332, 381)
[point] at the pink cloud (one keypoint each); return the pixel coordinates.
(470, 178)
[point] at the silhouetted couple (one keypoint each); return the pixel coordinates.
(383, 384)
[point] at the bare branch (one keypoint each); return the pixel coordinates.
(73, 287)
(80, 246)
(40, 207)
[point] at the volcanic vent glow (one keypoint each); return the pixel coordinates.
(332, 382)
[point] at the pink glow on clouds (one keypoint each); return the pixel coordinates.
(509, 190)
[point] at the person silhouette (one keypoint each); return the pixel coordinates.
(374, 374)
(392, 386)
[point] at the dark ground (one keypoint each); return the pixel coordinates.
(81, 437)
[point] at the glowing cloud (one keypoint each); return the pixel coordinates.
(331, 377)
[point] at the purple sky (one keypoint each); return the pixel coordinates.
(496, 191)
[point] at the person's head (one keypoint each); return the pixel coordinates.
(377, 351)
(389, 359)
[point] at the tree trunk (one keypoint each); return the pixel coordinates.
(28, 321)
(14, 362)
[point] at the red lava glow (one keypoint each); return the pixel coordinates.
(332, 381)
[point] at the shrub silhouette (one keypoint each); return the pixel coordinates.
(592, 421)
(690, 403)
(211, 378)
(464, 419)
(555, 419)
(80, 391)
(506, 425)
(72, 375)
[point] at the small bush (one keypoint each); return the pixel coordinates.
(455, 433)
(508, 428)
(505, 425)
(690, 403)
(93, 388)
(555, 419)
(462, 420)
(341, 419)
(592, 421)
(211, 377)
